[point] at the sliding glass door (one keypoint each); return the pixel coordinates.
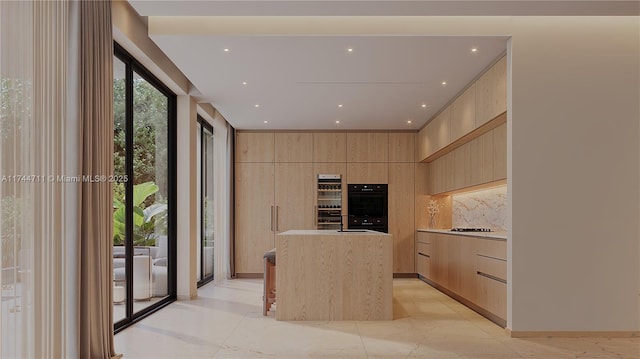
(143, 206)
(205, 202)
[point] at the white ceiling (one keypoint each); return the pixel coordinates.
(299, 81)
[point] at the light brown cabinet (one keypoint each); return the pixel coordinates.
(463, 114)
(500, 152)
(255, 209)
(491, 93)
(276, 183)
(438, 135)
(423, 144)
(330, 147)
(293, 147)
(367, 173)
(368, 147)
(294, 196)
(402, 147)
(483, 101)
(472, 268)
(401, 215)
(423, 259)
(255, 147)
(482, 160)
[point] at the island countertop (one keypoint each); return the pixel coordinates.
(332, 275)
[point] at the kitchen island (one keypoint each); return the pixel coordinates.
(333, 275)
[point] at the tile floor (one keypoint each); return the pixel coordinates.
(226, 321)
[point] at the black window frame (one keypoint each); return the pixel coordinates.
(132, 65)
(203, 125)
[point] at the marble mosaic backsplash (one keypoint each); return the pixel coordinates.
(486, 208)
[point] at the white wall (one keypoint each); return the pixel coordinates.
(575, 174)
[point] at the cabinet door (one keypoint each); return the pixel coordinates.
(401, 215)
(295, 193)
(368, 147)
(438, 132)
(254, 147)
(422, 146)
(439, 260)
(447, 172)
(293, 147)
(330, 147)
(467, 267)
(463, 114)
(402, 147)
(486, 161)
(462, 166)
(377, 173)
(491, 93)
(254, 215)
(500, 152)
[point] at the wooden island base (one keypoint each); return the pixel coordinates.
(331, 275)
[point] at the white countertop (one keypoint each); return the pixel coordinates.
(324, 232)
(494, 235)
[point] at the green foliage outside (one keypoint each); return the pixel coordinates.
(148, 222)
(150, 135)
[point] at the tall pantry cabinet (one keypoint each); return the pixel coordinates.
(273, 171)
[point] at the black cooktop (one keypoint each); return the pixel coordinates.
(467, 229)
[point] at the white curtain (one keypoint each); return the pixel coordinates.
(223, 188)
(37, 191)
(41, 54)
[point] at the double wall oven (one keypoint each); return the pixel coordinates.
(368, 207)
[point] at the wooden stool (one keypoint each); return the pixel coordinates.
(269, 295)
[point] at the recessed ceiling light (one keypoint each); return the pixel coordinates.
(226, 50)
(337, 121)
(444, 83)
(350, 49)
(244, 82)
(424, 105)
(257, 105)
(266, 121)
(475, 49)
(340, 105)
(409, 122)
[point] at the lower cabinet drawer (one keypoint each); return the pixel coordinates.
(491, 267)
(424, 248)
(492, 295)
(423, 262)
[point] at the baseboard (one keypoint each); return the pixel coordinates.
(469, 304)
(571, 334)
(249, 275)
(405, 275)
(192, 296)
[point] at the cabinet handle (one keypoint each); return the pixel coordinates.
(491, 277)
(424, 255)
(272, 218)
(277, 218)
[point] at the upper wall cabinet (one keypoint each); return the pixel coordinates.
(483, 101)
(368, 147)
(293, 147)
(438, 134)
(402, 147)
(422, 145)
(255, 147)
(491, 93)
(463, 114)
(330, 147)
(500, 152)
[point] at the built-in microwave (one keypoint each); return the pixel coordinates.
(368, 207)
